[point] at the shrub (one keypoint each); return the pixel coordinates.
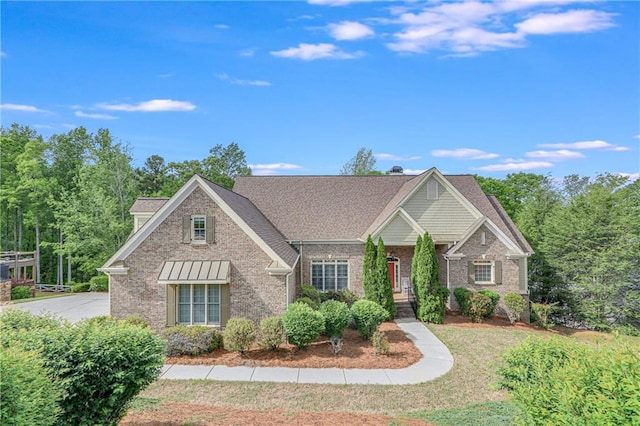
(433, 306)
(307, 290)
(368, 316)
(514, 305)
(495, 298)
(380, 343)
(309, 302)
(99, 283)
(141, 322)
(346, 296)
(28, 395)
(100, 366)
(480, 306)
(336, 318)
(20, 292)
(239, 334)
(566, 382)
(542, 313)
(81, 287)
(184, 340)
(302, 324)
(270, 333)
(462, 297)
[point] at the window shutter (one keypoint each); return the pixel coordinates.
(186, 229)
(498, 271)
(472, 272)
(211, 232)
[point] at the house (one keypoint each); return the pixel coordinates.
(207, 253)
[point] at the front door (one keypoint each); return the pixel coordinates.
(393, 264)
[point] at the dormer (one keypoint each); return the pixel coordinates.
(143, 208)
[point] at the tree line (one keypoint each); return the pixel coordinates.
(68, 197)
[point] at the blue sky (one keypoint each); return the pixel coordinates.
(467, 87)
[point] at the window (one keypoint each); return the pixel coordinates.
(198, 228)
(483, 271)
(432, 189)
(330, 274)
(198, 304)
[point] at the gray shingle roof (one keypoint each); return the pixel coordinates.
(148, 205)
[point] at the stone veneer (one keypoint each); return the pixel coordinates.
(254, 293)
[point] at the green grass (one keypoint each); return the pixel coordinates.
(493, 413)
(476, 353)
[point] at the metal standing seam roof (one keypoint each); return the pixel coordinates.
(195, 272)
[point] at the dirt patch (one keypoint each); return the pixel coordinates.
(356, 353)
(177, 414)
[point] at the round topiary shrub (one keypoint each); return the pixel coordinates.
(336, 319)
(495, 298)
(462, 295)
(514, 305)
(302, 324)
(239, 334)
(309, 302)
(20, 292)
(270, 333)
(368, 316)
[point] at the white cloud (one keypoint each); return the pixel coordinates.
(337, 2)
(154, 105)
(393, 157)
(559, 155)
(472, 27)
(239, 82)
(95, 116)
(414, 171)
(464, 153)
(247, 53)
(632, 176)
(311, 52)
(21, 108)
(515, 166)
(572, 21)
(349, 30)
(222, 26)
(272, 169)
(597, 144)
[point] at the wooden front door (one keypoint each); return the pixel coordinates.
(393, 272)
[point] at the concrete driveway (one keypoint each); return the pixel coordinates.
(73, 307)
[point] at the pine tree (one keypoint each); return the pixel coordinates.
(414, 262)
(382, 282)
(369, 266)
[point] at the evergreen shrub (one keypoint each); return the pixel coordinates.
(302, 324)
(239, 334)
(514, 305)
(542, 313)
(307, 290)
(345, 295)
(20, 292)
(309, 302)
(480, 306)
(81, 287)
(188, 340)
(462, 295)
(368, 316)
(270, 333)
(495, 298)
(336, 317)
(380, 343)
(99, 283)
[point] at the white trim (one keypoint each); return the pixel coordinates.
(401, 213)
(168, 208)
(202, 240)
(116, 270)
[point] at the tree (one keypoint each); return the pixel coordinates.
(152, 177)
(362, 164)
(369, 267)
(414, 263)
(429, 295)
(383, 293)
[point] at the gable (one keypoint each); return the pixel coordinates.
(436, 209)
(399, 232)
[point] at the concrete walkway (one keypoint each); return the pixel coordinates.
(73, 307)
(436, 361)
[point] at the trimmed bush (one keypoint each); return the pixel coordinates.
(302, 324)
(20, 292)
(336, 318)
(462, 297)
(270, 333)
(368, 316)
(141, 322)
(346, 296)
(480, 306)
(495, 298)
(514, 305)
(28, 396)
(81, 287)
(565, 382)
(239, 334)
(101, 366)
(307, 290)
(309, 302)
(380, 343)
(542, 312)
(184, 340)
(99, 283)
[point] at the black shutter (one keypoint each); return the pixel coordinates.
(186, 229)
